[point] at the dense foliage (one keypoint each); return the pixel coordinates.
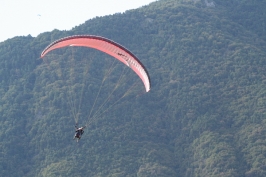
(204, 116)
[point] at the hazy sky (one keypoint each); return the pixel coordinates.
(23, 17)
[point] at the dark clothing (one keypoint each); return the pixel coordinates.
(79, 132)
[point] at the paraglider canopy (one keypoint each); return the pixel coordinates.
(105, 45)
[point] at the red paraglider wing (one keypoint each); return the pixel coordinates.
(105, 45)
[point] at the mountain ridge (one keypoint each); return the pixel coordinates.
(204, 115)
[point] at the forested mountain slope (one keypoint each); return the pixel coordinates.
(204, 116)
